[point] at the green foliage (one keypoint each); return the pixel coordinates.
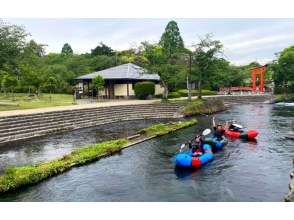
(144, 89)
(184, 92)
(160, 129)
(163, 58)
(12, 43)
(289, 97)
(283, 68)
(173, 95)
(102, 49)
(66, 49)
(282, 90)
(206, 54)
(98, 82)
(172, 42)
(207, 107)
(10, 82)
(16, 177)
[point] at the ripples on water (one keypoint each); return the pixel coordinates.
(256, 170)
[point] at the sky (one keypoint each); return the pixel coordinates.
(244, 39)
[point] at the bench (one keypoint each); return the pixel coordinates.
(28, 99)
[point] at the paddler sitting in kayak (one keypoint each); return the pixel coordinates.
(232, 126)
(219, 130)
(197, 146)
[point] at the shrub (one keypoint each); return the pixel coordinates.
(281, 90)
(208, 92)
(184, 92)
(143, 89)
(173, 95)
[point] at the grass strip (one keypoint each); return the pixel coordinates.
(17, 177)
(160, 129)
(207, 107)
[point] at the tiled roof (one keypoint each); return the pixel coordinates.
(124, 71)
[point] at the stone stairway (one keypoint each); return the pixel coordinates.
(16, 127)
(244, 99)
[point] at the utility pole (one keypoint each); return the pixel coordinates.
(190, 78)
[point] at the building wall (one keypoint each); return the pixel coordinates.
(131, 91)
(158, 89)
(120, 89)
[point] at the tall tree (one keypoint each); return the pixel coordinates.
(284, 69)
(12, 42)
(102, 49)
(171, 42)
(66, 49)
(207, 51)
(164, 57)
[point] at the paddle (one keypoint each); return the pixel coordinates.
(205, 132)
(238, 126)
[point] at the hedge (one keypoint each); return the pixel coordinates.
(171, 95)
(143, 89)
(184, 92)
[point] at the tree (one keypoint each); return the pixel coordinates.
(34, 48)
(12, 42)
(284, 69)
(2, 75)
(10, 82)
(66, 49)
(51, 83)
(102, 50)
(98, 83)
(164, 57)
(172, 42)
(206, 53)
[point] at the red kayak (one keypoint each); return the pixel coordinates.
(243, 134)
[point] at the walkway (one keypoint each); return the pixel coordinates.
(86, 104)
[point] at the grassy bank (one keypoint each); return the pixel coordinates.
(284, 98)
(23, 101)
(17, 177)
(204, 107)
(160, 129)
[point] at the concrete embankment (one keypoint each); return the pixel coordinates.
(17, 127)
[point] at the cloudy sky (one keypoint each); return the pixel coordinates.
(245, 40)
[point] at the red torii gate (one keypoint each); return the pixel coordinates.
(257, 71)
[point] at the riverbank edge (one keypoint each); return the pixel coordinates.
(9, 183)
(290, 196)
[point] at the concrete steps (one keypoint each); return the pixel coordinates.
(28, 126)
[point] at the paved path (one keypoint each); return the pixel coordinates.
(74, 107)
(84, 105)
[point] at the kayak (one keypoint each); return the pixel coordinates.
(186, 160)
(216, 143)
(243, 134)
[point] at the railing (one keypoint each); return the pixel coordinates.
(239, 88)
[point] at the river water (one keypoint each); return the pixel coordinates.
(255, 170)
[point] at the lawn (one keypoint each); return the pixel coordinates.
(23, 101)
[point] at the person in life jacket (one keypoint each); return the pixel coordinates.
(232, 127)
(219, 130)
(197, 146)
